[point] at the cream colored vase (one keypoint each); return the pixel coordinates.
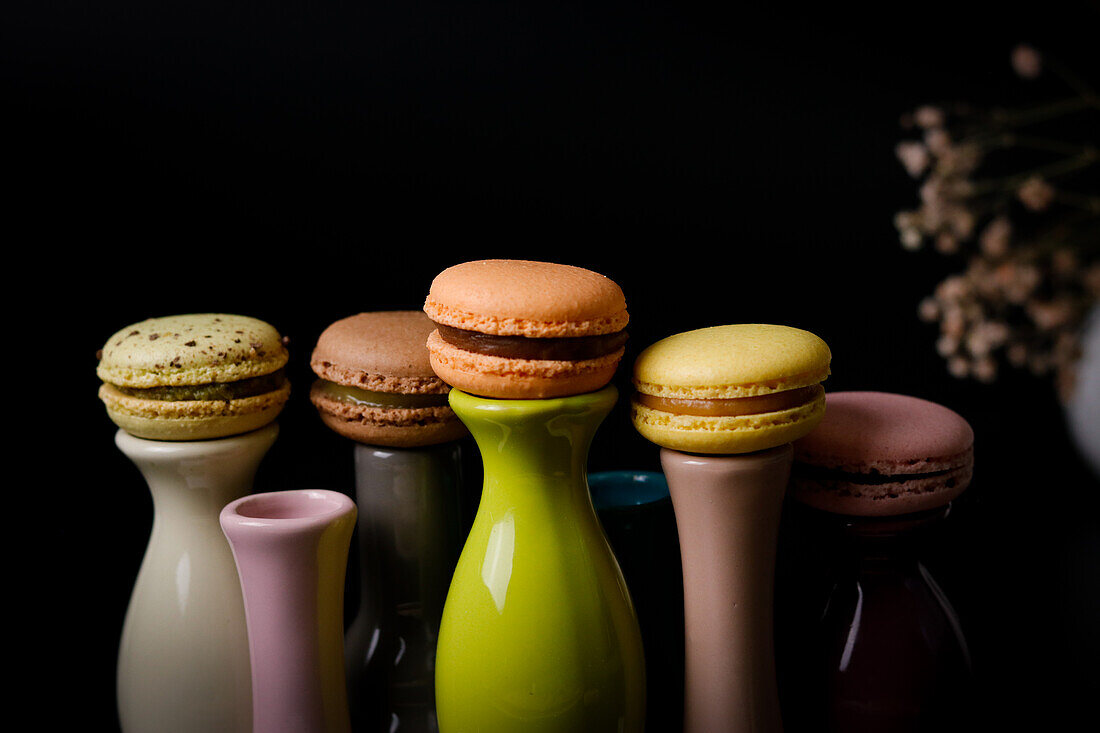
(183, 663)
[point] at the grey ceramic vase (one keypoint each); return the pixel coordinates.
(410, 536)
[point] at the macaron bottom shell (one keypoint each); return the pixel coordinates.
(890, 495)
(392, 427)
(726, 435)
(506, 378)
(192, 419)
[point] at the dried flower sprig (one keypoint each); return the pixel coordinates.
(1017, 203)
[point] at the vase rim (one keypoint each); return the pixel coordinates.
(601, 398)
(174, 449)
(626, 488)
(287, 510)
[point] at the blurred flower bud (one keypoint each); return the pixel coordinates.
(984, 369)
(938, 141)
(1035, 193)
(929, 309)
(1027, 62)
(1016, 354)
(914, 157)
(953, 323)
(947, 244)
(958, 367)
(1049, 315)
(1064, 262)
(928, 116)
(961, 222)
(911, 239)
(995, 238)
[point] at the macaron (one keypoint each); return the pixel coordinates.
(376, 385)
(194, 377)
(517, 329)
(883, 454)
(730, 389)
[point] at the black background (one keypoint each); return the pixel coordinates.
(300, 163)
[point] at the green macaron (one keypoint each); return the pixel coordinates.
(194, 377)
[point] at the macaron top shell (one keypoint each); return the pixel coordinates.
(198, 348)
(728, 362)
(382, 351)
(524, 298)
(888, 434)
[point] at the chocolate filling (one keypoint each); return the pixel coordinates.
(873, 478)
(575, 348)
(732, 407)
(217, 391)
(390, 400)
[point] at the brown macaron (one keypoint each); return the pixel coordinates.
(376, 385)
(525, 330)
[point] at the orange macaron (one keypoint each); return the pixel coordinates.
(517, 329)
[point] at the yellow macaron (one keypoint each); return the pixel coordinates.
(194, 377)
(730, 389)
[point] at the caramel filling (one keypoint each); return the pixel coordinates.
(576, 348)
(390, 400)
(733, 407)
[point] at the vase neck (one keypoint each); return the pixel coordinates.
(190, 478)
(884, 542)
(534, 445)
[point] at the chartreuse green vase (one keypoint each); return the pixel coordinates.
(538, 632)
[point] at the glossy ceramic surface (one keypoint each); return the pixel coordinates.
(889, 651)
(538, 632)
(727, 515)
(183, 661)
(291, 548)
(409, 541)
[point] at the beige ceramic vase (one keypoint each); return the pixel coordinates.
(183, 663)
(727, 515)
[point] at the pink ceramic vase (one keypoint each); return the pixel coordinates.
(727, 514)
(291, 552)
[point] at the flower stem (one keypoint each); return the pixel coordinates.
(1051, 110)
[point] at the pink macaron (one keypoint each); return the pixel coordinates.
(882, 454)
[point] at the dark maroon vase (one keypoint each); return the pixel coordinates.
(889, 653)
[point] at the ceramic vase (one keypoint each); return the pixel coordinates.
(291, 549)
(1083, 405)
(635, 510)
(727, 514)
(183, 661)
(889, 653)
(538, 632)
(409, 539)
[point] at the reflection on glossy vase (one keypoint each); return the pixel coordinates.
(538, 632)
(409, 540)
(183, 661)
(892, 654)
(291, 548)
